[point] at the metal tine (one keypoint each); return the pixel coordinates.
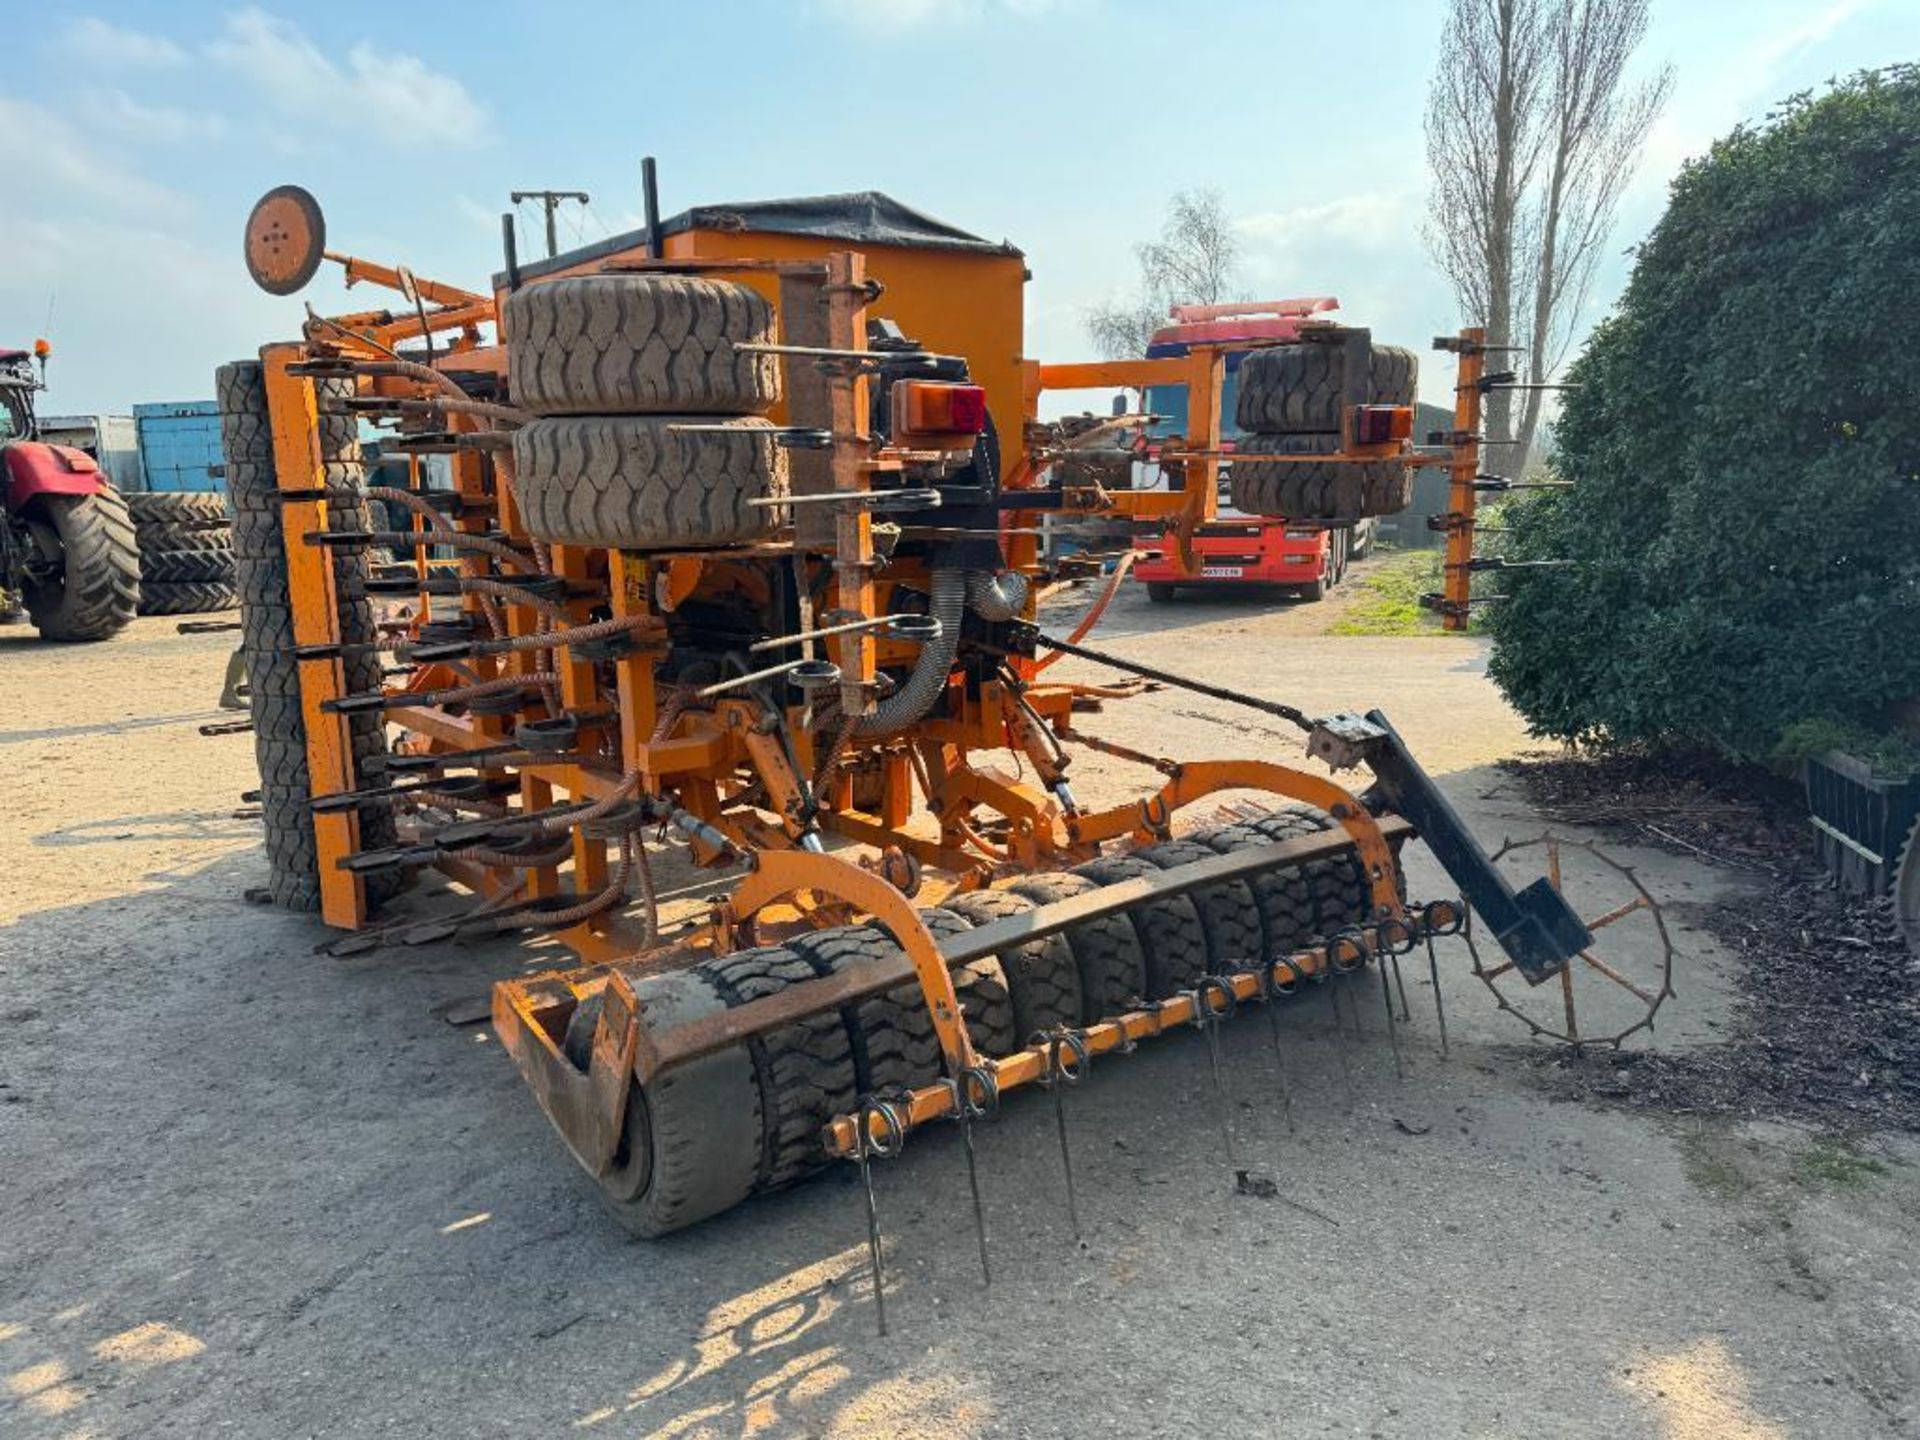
(1324, 977)
(1207, 1016)
(1393, 1025)
(1402, 943)
(1347, 952)
(1441, 917)
(1272, 990)
(976, 1096)
(1060, 1074)
(866, 1149)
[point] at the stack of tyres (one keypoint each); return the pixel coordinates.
(266, 613)
(186, 552)
(1290, 403)
(611, 365)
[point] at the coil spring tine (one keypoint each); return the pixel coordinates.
(1402, 943)
(1271, 991)
(866, 1148)
(1060, 1075)
(976, 1095)
(1208, 1019)
(1394, 936)
(1431, 924)
(1393, 1027)
(1324, 976)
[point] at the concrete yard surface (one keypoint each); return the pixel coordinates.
(250, 1189)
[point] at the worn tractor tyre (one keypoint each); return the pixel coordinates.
(1106, 949)
(212, 537)
(629, 482)
(1284, 895)
(694, 1137)
(892, 1035)
(267, 639)
(1042, 978)
(1229, 918)
(188, 597)
(1293, 388)
(182, 509)
(805, 1070)
(97, 590)
(639, 345)
(980, 986)
(246, 434)
(177, 567)
(1336, 490)
(1341, 896)
(1173, 945)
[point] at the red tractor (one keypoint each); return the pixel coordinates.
(67, 548)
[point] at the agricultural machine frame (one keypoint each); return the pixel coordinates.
(749, 780)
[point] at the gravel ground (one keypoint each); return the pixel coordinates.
(249, 1189)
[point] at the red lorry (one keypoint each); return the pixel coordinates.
(1239, 549)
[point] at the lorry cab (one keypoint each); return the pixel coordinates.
(1236, 548)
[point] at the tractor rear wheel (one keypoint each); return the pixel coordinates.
(185, 509)
(96, 589)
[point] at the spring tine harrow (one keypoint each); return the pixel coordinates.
(976, 1096)
(870, 1147)
(1067, 1060)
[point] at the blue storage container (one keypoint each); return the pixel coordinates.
(180, 444)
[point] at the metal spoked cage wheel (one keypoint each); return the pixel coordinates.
(1613, 988)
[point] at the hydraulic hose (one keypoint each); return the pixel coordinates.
(996, 597)
(906, 705)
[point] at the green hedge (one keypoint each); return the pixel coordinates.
(1744, 451)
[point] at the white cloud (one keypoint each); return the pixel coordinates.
(397, 94)
(110, 47)
(117, 112)
(51, 164)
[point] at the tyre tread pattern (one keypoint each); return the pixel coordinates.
(629, 482)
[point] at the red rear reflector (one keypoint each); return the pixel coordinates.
(967, 408)
(926, 411)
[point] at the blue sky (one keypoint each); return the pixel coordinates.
(139, 135)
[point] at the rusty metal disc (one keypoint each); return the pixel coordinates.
(286, 239)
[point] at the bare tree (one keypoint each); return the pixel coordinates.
(1532, 133)
(1192, 262)
(1596, 127)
